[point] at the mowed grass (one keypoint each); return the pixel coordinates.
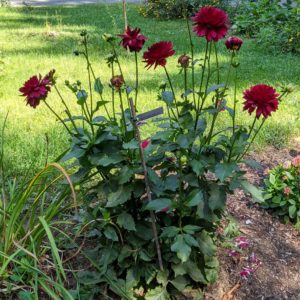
(36, 40)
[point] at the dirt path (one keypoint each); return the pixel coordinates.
(66, 2)
(277, 245)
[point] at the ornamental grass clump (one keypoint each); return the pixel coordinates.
(156, 203)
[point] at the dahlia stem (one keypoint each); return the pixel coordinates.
(113, 91)
(120, 68)
(136, 79)
(172, 89)
(147, 184)
(122, 109)
(217, 62)
(185, 82)
(252, 140)
(58, 117)
(234, 103)
(66, 107)
(192, 56)
(200, 88)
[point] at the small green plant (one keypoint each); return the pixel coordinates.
(282, 191)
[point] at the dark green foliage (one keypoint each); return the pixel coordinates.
(273, 23)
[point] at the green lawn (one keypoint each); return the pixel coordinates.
(37, 40)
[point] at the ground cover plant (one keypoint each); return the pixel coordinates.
(153, 205)
(282, 190)
(40, 38)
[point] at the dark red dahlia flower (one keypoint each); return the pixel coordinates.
(233, 43)
(211, 22)
(132, 39)
(36, 88)
(262, 98)
(117, 81)
(158, 53)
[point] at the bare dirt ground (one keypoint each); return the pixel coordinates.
(276, 244)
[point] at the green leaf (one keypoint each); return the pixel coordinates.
(120, 196)
(159, 293)
(206, 244)
(194, 272)
(191, 229)
(158, 204)
(180, 282)
(125, 175)
(253, 164)
(126, 221)
(194, 198)
(133, 144)
(183, 141)
(197, 167)
(89, 277)
(167, 97)
(102, 159)
(214, 88)
(98, 86)
(224, 170)
(182, 249)
(190, 240)
(217, 197)
(272, 179)
(254, 191)
(110, 233)
(169, 232)
(162, 277)
(292, 211)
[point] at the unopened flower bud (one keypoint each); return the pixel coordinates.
(117, 81)
(108, 37)
(162, 85)
(184, 61)
(233, 43)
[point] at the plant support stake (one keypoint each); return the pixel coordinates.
(148, 191)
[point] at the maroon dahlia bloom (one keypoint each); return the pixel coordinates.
(211, 22)
(262, 98)
(184, 61)
(36, 88)
(233, 43)
(132, 39)
(158, 53)
(117, 81)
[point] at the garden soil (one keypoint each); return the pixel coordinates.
(277, 245)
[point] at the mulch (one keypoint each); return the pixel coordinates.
(277, 245)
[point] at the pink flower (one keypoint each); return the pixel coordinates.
(287, 191)
(145, 143)
(285, 178)
(242, 242)
(296, 161)
(246, 272)
(287, 164)
(164, 209)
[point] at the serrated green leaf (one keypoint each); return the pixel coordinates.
(158, 204)
(194, 198)
(159, 293)
(120, 196)
(224, 170)
(98, 86)
(254, 191)
(110, 233)
(126, 221)
(217, 197)
(182, 249)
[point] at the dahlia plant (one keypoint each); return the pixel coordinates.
(156, 203)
